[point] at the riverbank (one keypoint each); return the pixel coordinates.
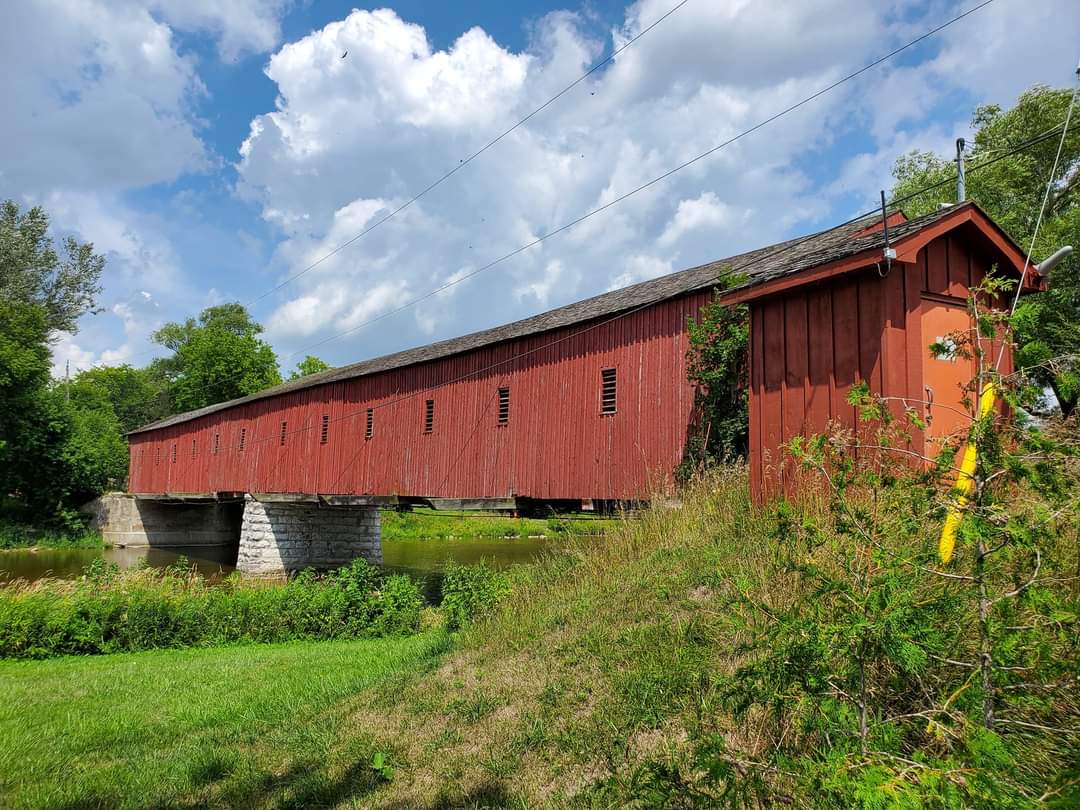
(25, 537)
(418, 524)
(236, 726)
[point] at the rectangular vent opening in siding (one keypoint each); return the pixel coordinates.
(243, 437)
(504, 406)
(174, 453)
(324, 434)
(217, 443)
(608, 391)
(429, 415)
(281, 436)
(369, 429)
(193, 449)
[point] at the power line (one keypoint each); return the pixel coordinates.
(779, 249)
(1030, 142)
(572, 223)
(466, 161)
(1042, 210)
(475, 154)
(659, 178)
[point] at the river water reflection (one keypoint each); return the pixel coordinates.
(422, 559)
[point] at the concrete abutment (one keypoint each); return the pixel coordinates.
(126, 521)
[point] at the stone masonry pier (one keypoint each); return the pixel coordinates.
(280, 536)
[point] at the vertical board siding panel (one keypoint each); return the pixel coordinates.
(979, 268)
(937, 268)
(913, 281)
(871, 327)
(958, 261)
(772, 405)
(820, 360)
(871, 345)
(845, 351)
(757, 390)
(795, 365)
(894, 345)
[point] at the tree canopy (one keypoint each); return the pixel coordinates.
(216, 357)
(137, 396)
(65, 285)
(1011, 190)
(309, 365)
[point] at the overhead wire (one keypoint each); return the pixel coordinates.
(1042, 209)
(466, 161)
(458, 279)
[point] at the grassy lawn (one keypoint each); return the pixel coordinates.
(234, 726)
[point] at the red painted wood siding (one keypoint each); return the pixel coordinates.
(811, 344)
(556, 444)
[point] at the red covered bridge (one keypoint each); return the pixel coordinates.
(591, 400)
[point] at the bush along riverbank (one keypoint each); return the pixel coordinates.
(109, 610)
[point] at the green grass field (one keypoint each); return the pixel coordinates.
(188, 728)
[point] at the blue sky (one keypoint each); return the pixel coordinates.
(212, 150)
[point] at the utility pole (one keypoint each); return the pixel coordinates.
(67, 381)
(961, 192)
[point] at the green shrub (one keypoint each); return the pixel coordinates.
(470, 591)
(400, 604)
(112, 611)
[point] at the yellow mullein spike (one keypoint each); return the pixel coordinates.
(964, 482)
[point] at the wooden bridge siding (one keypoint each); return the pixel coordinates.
(556, 445)
(813, 343)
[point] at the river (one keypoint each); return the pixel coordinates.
(422, 559)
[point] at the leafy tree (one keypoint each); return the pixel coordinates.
(94, 454)
(1011, 191)
(718, 368)
(54, 454)
(32, 272)
(309, 365)
(215, 358)
(137, 396)
(24, 371)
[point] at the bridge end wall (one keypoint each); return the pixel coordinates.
(126, 521)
